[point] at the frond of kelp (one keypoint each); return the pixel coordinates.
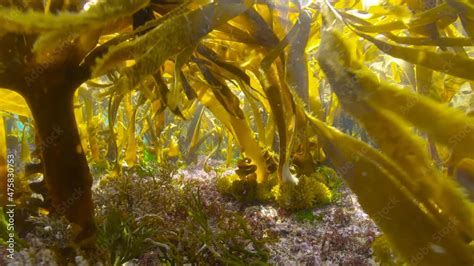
(360, 93)
(408, 227)
(239, 128)
(12, 102)
(449, 63)
(59, 31)
(177, 33)
(283, 107)
(106, 11)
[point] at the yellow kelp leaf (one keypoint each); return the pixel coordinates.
(14, 103)
(448, 86)
(393, 136)
(468, 24)
(362, 25)
(466, 7)
(441, 61)
(256, 112)
(314, 35)
(232, 77)
(230, 149)
(424, 82)
(373, 178)
(175, 34)
(283, 109)
(211, 153)
(247, 57)
(239, 127)
(222, 92)
(333, 110)
(194, 129)
(441, 88)
(296, 68)
(441, 42)
(131, 152)
(395, 71)
(145, 127)
(15, 20)
(386, 27)
(50, 46)
(260, 30)
(234, 71)
(440, 195)
(173, 149)
(265, 11)
(279, 47)
(314, 92)
(189, 108)
(176, 95)
(158, 121)
(442, 14)
(255, 90)
(449, 126)
(121, 136)
(229, 32)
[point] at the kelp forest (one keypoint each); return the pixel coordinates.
(237, 132)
